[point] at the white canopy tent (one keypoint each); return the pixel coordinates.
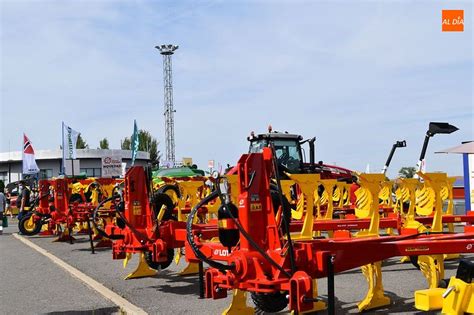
(467, 150)
(467, 147)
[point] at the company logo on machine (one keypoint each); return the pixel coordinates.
(417, 249)
(346, 226)
(221, 252)
(452, 21)
(469, 247)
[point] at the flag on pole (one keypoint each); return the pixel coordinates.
(135, 142)
(69, 142)
(29, 162)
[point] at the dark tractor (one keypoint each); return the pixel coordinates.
(290, 157)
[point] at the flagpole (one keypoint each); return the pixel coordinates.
(22, 156)
(62, 145)
(134, 139)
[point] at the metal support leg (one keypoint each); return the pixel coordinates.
(90, 236)
(201, 280)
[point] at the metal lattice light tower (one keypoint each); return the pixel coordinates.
(167, 51)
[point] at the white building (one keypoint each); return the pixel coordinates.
(50, 162)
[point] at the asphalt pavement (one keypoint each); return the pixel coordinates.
(34, 286)
(31, 284)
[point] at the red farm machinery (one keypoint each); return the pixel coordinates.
(273, 226)
(65, 204)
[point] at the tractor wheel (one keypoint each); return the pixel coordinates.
(160, 199)
(28, 226)
(160, 265)
(270, 303)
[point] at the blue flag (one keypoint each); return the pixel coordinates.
(135, 142)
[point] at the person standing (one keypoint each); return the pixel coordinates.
(3, 205)
(23, 201)
(8, 210)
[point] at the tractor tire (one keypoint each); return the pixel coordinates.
(160, 265)
(160, 199)
(171, 190)
(25, 226)
(269, 303)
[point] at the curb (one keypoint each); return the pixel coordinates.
(125, 306)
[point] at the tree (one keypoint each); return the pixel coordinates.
(81, 143)
(126, 144)
(407, 172)
(104, 144)
(146, 142)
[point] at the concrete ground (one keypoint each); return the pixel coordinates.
(51, 290)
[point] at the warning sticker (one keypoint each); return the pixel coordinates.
(255, 207)
(137, 208)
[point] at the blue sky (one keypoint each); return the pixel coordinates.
(358, 75)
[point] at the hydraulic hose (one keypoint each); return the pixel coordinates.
(190, 236)
(131, 227)
(285, 211)
(125, 221)
(94, 216)
(250, 239)
(102, 232)
(36, 201)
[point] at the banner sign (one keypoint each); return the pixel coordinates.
(111, 166)
(69, 142)
(28, 157)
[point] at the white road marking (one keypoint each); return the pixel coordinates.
(125, 306)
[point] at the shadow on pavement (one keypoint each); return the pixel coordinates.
(191, 284)
(96, 249)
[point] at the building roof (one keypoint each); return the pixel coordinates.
(81, 154)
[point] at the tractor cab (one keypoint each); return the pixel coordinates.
(287, 149)
(290, 154)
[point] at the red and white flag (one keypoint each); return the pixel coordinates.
(29, 162)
